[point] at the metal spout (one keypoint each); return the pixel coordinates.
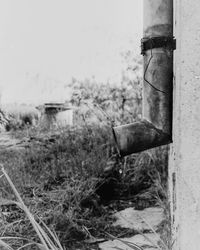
(139, 136)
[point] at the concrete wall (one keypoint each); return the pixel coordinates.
(184, 163)
(58, 119)
(65, 118)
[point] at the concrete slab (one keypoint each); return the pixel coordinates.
(139, 240)
(139, 220)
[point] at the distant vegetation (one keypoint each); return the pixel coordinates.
(120, 101)
(20, 116)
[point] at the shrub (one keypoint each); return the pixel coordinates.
(21, 116)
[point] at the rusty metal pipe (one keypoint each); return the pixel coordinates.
(156, 127)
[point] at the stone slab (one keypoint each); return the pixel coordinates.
(140, 240)
(139, 220)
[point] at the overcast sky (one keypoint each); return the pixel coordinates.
(43, 43)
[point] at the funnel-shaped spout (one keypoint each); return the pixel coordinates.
(139, 136)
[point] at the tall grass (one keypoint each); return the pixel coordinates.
(59, 172)
(49, 240)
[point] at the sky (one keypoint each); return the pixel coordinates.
(44, 43)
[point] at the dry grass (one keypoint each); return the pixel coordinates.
(48, 239)
(53, 178)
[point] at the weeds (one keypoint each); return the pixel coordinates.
(49, 240)
(58, 177)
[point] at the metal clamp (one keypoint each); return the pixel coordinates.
(157, 42)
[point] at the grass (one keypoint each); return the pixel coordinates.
(49, 240)
(58, 176)
(54, 180)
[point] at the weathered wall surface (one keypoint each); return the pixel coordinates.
(185, 152)
(59, 119)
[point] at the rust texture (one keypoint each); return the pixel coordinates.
(156, 127)
(139, 136)
(157, 105)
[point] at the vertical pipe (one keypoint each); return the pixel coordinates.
(158, 22)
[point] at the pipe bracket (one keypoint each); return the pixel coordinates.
(148, 43)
